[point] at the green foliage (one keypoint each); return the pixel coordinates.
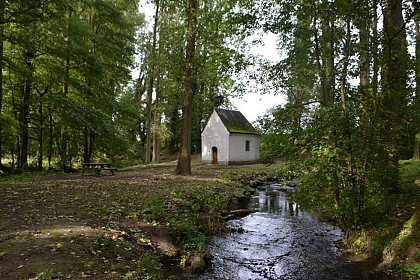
(343, 172)
(407, 271)
(198, 201)
(258, 176)
(274, 147)
(74, 59)
(410, 172)
(154, 209)
(392, 229)
(188, 232)
(196, 205)
(49, 274)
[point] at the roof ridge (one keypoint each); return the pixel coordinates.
(235, 122)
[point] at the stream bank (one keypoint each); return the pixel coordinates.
(278, 240)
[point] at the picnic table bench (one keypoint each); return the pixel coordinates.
(97, 167)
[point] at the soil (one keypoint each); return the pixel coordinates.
(78, 226)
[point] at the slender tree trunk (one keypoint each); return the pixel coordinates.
(15, 109)
(88, 141)
(374, 52)
(2, 7)
(157, 107)
(41, 127)
(364, 65)
(61, 129)
(152, 78)
(24, 111)
(156, 125)
(40, 135)
(327, 43)
(317, 54)
(184, 159)
(417, 61)
(51, 138)
(416, 153)
(86, 157)
(343, 79)
(296, 115)
(62, 142)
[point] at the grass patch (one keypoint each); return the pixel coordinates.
(49, 274)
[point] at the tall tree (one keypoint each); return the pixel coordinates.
(184, 159)
(394, 85)
(326, 47)
(416, 103)
(151, 83)
(2, 11)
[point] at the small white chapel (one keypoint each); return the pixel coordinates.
(229, 139)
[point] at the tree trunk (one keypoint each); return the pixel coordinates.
(1, 75)
(51, 138)
(416, 154)
(184, 159)
(88, 140)
(394, 93)
(157, 108)
(374, 51)
(343, 79)
(24, 111)
(297, 112)
(364, 65)
(40, 135)
(417, 61)
(156, 125)
(152, 78)
(62, 141)
(327, 43)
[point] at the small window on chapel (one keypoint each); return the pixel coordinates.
(247, 146)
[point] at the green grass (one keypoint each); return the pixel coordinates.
(49, 274)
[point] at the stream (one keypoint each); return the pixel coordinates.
(279, 241)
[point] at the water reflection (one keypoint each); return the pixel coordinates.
(278, 241)
(273, 202)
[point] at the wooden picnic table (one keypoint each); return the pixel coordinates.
(97, 167)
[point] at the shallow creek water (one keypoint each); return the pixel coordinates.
(279, 241)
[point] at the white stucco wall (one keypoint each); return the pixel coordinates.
(216, 135)
(237, 151)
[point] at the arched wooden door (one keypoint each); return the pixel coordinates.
(215, 159)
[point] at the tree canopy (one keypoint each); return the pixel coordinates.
(350, 81)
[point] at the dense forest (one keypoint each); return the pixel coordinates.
(67, 95)
(349, 70)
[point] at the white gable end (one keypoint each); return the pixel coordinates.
(215, 141)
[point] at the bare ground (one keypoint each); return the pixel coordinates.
(76, 226)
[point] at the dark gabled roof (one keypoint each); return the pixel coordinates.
(235, 122)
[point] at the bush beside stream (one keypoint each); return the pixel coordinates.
(390, 241)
